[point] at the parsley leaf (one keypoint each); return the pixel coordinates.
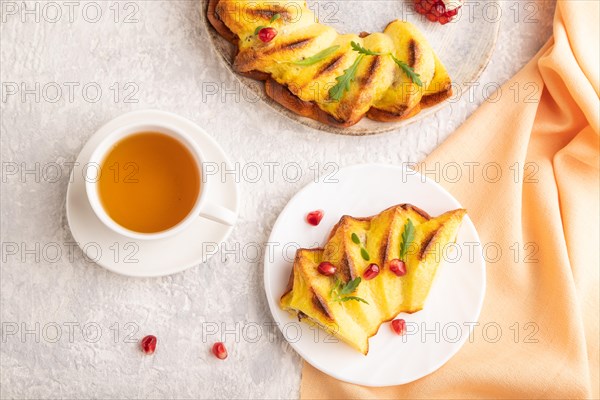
(357, 47)
(409, 71)
(336, 287)
(344, 81)
(341, 293)
(258, 28)
(275, 18)
(355, 298)
(365, 254)
(350, 286)
(408, 236)
(317, 57)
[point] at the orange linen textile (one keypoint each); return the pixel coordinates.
(542, 213)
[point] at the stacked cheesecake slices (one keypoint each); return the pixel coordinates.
(370, 270)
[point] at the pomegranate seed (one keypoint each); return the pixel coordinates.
(314, 217)
(219, 350)
(438, 10)
(371, 272)
(148, 344)
(399, 326)
(327, 268)
(267, 34)
(398, 267)
(435, 10)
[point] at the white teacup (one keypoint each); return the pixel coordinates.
(203, 207)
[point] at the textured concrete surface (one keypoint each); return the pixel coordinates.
(70, 328)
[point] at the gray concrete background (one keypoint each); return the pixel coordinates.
(160, 59)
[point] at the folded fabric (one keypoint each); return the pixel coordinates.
(533, 195)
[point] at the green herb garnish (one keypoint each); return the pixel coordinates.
(344, 81)
(317, 57)
(355, 298)
(275, 18)
(258, 28)
(364, 254)
(342, 292)
(408, 236)
(409, 71)
(357, 47)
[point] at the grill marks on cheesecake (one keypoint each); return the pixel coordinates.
(429, 241)
(412, 53)
(351, 268)
(383, 249)
(321, 305)
(330, 66)
(372, 69)
(268, 13)
(289, 46)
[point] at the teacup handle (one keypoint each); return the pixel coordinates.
(218, 214)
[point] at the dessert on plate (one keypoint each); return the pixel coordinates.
(334, 78)
(370, 270)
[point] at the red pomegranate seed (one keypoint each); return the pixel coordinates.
(148, 344)
(267, 34)
(399, 326)
(314, 217)
(219, 350)
(435, 10)
(398, 267)
(371, 272)
(327, 268)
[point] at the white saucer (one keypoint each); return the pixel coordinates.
(147, 258)
(455, 299)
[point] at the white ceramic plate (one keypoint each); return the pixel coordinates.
(465, 46)
(146, 258)
(434, 334)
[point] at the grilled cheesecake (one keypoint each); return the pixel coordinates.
(334, 78)
(354, 245)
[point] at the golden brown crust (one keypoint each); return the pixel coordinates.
(430, 100)
(256, 75)
(388, 116)
(287, 99)
(215, 21)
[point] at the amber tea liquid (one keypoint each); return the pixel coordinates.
(149, 182)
